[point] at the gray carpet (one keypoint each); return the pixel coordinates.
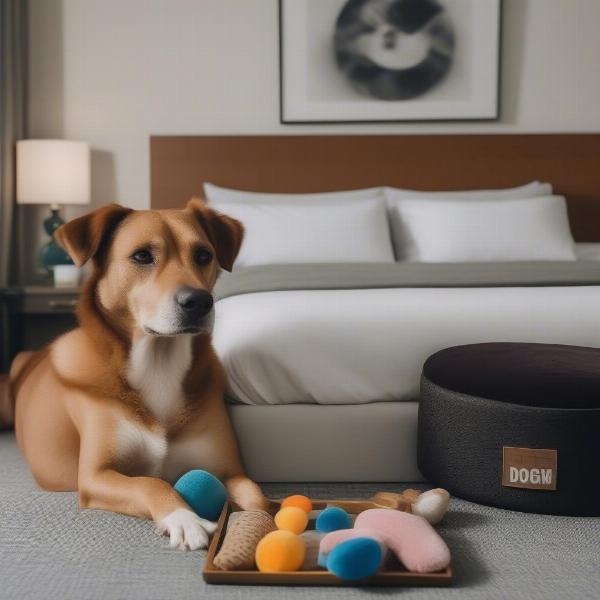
(49, 549)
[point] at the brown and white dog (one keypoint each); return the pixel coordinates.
(121, 407)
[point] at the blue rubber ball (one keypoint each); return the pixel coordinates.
(204, 493)
(332, 519)
(355, 559)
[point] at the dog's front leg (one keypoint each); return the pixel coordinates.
(245, 493)
(101, 485)
(215, 429)
(146, 497)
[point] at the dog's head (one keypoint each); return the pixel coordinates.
(155, 269)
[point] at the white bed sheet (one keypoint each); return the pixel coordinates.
(360, 346)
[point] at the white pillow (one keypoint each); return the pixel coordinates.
(530, 190)
(300, 232)
(217, 195)
(460, 230)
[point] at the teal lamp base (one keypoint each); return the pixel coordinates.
(51, 253)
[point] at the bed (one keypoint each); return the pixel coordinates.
(324, 360)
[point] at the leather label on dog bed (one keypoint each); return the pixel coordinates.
(529, 468)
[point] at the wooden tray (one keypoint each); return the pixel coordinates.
(392, 574)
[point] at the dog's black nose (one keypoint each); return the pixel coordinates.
(195, 303)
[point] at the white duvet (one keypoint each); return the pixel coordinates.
(360, 346)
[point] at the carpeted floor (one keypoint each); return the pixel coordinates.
(49, 549)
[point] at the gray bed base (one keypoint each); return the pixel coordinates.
(374, 442)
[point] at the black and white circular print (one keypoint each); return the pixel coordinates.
(394, 49)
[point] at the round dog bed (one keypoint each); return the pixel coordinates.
(514, 425)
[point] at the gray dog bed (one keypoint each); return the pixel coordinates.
(514, 425)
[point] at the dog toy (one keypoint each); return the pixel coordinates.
(332, 518)
(412, 539)
(299, 501)
(280, 551)
(355, 558)
(204, 493)
(431, 505)
(291, 518)
(331, 540)
(312, 540)
(244, 531)
(379, 500)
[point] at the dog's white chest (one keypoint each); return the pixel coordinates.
(139, 450)
(157, 366)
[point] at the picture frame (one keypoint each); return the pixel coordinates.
(381, 61)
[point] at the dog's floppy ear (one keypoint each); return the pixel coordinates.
(225, 233)
(82, 237)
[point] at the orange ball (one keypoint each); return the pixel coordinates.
(291, 518)
(280, 551)
(298, 500)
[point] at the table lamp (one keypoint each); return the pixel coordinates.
(53, 172)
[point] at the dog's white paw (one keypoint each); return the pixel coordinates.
(186, 529)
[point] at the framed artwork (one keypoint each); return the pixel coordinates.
(351, 61)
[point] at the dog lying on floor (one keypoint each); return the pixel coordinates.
(133, 398)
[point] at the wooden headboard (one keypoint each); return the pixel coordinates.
(313, 163)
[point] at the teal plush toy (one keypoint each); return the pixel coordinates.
(355, 559)
(205, 494)
(332, 519)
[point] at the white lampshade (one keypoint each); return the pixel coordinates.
(53, 172)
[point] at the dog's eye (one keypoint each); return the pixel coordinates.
(142, 257)
(202, 256)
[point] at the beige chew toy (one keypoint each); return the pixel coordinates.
(243, 534)
(431, 505)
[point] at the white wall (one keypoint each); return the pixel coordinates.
(113, 72)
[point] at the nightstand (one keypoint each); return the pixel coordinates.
(32, 316)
